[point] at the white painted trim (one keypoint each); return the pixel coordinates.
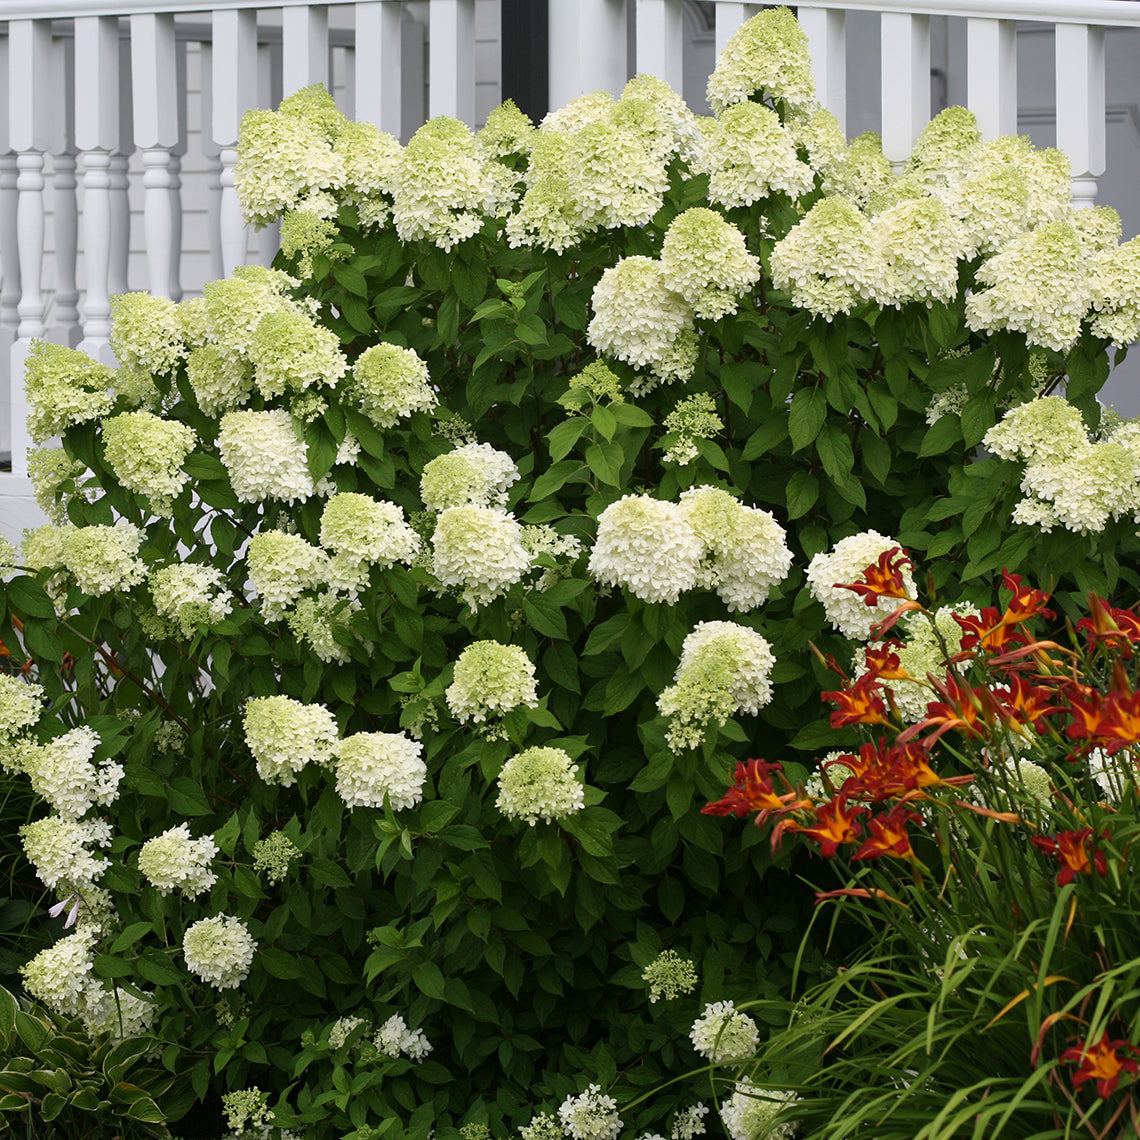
(1108, 13)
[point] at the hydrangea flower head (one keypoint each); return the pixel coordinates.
(491, 679)
(317, 622)
(173, 861)
(862, 172)
(704, 259)
(291, 352)
(219, 950)
(766, 56)
(189, 594)
(64, 387)
(372, 765)
(1114, 288)
(146, 453)
(395, 1039)
(389, 383)
(102, 559)
(59, 849)
(284, 735)
(749, 155)
(60, 974)
(689, 1122)
(723, 1034)
(615, 178)
(916, 244)
(146, 334)
(21, 703)
(590, 1116)
(364, 530)
(844, 564)
(264, 457)
(668, 976)
(648, 547)
(693, 418)
(274, 855)
(66, 774)
(751, 1112)
(540, 783)
(220, 381)
(50, 469)
(480, 551)
(724, 669)
(281, 567)
(475, 474)
(944, 149)
(548, 216)
(1042, 431)
(507, 131)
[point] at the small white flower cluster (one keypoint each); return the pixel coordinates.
(1069, 479)
(590, 1116)
(1114, 290)
(284, 735)
(49, 469)
(846, 609)
(275, 855)
(264, 457)
(64, 773)
(173, 861)
(372, 766)
(724, 669)
(474, 475)
(188, 594)
(146, 453)
(724, 1035)
(317, 621)
(689, 1122)
(751, 1112)
(540, 783)
(248, 1113)
(669, 975)
(704, 260)
(394, 1039)
(220, 950)
(362, 532)
(478, 550)
(659, 550)
(749, 155)
(282, 567)
(490, 679)
(340, 1030)
(389, 383)
(692, 418)
(543, 1126)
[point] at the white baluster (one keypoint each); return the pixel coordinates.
(826, 30)
(451, 59)
(991, 74)
(267, 240)
(304, 46)
(97, 135)
(379, 63)
(660, 40)
(729, 17)
(63, 324)
(154, 64)
(119, 263)
(906, 82)
(1080, 106)
(212, 154)
(9, 255)
(30, 98)
(587, 48)
(234, 83)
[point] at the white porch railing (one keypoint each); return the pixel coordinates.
(87, 86)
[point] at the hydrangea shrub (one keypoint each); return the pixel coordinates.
(402, 603)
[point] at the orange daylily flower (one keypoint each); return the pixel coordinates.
(1024, 703)
(859, 703)
(889, 835)
(1112, 626)
(1106, 720)
(969, 710)
(998, 633)
(835, 823)
(1102, 1063)
(882, 662)
(883, 579)
(1072, 848)
(753, 791)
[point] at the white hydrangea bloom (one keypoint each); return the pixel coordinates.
(21, 703)
(228, 313)
(647, 546)
(689, 1122)
(146, 454)
(766, 56)
(724, 669)
(60, 975)
(274, 855)
(543, 1126)
(945, 148)
(372, 765)
(1090, 487)
(479, 550)
(1047, 430)
(1038, 286)
(281, 567)
(64, 773)
(475, 475)
(220, 380)
(677, 121)
(705, 260)
(1034, 780)
(389, 383)
(340, 1030)
(863, 171)
(749, 155)
(916, 244)
(173, 861)
(146, 334)
(746, 551)
(317, 621)
(102, 558)
(615, 179)
(844, 564)
(219, 950)
(364, 530)
(491, 679)
(1034, 512)
(668, 976)
(50, 469)
(64, 387)
(540, 783)
(189, 594)
(394, 1039)
(723, 1035)
(264, 457)
(548, 215)
(590, 1116)
(290, 352)
(58, 848)
(828, 261)
(637, 318)
(284, 735)
(692, 418)
(750, 1113)
(1114, 287)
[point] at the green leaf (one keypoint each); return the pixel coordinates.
(329, 874)
(631, 415)
(605, 460)
(944, 436)
(130, 935)
(772, 432)
(834, 451)
(562, 437)
(805, 416)
(428, 979)
(545, 616)
(157, 967)
(802, 492)
(604, 420)
(552, 479)
(27, 599)
(278, 964)
(944, 321)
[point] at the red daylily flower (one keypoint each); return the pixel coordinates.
(1102, 1063)
(967, 709)
(882, 771)
(1072, 848)
(883, 579)
(889, 835)
(1106, 720)
(859, 703)
(1109, 625)
(998, 633)
(835, 823)
(753, 791)
(882, 662)
(1025, 703)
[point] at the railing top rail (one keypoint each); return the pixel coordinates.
(64, 9)
(1112, 13)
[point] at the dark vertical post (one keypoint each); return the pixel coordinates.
(525, 45)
